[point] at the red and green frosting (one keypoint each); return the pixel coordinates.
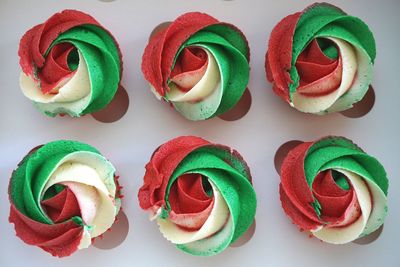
(49, 54)
(184, 181)
(52, 218)
(330, 185)
(308, 53)
(180, 54)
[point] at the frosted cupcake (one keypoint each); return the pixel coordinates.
(63, 194)
(200, 194)
(70, 65)
(198, 64)
(320, 60)
(333, 189)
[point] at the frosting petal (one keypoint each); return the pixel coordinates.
(75, 89)
(215, 221)
(352, 231)
(317, 104)
(203, 88)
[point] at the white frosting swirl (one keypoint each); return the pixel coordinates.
(370, 202)
(91, 178)
(215, 222)
(204, 98)
(73, 95)
(356, 72)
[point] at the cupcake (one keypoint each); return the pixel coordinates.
(198, 64)
(320, 60)
(62, 195)
(70, 65)
(200, 193)
(333, 189)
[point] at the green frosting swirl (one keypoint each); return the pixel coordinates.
(232, 181)
(29, 179)
(323, 21)
(340, 153)
(101, 54)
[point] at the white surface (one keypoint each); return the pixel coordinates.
(129, 142)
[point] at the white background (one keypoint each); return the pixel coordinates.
(129, 142)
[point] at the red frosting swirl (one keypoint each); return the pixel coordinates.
(37, 41)
(159, 54)
(161, 167)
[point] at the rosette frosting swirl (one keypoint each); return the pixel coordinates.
(70, 64)
(62, 195)
(200, 193)
(198, 64)
(320, 60)
(334, 190)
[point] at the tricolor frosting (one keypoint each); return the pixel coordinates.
(70, 64)
(62, 195)
(200, 194)
(320, 60)
(198, 64)
(333, 189)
